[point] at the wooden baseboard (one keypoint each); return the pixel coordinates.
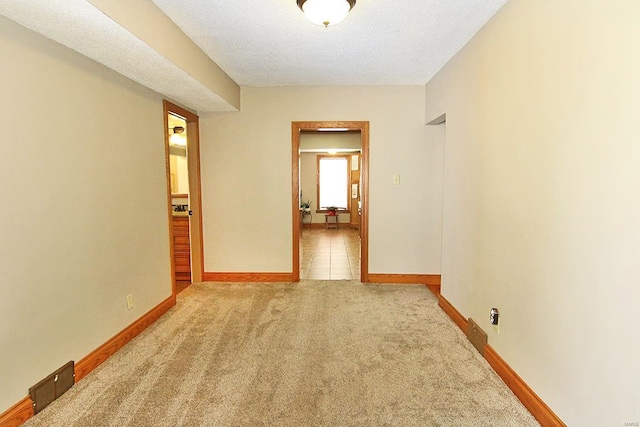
(106, 350)
(248, 277)
(18, 414)
(454, 314)
(23, 410)
(536, 406)
(541, 412)
(432, 281)
(322, 225)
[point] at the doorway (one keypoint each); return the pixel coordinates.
(182, 153)
(363, 129)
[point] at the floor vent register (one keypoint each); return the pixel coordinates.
(52, 387)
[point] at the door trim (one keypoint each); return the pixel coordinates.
(195, 192)
(296, 129)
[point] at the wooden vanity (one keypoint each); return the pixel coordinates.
(181, 248)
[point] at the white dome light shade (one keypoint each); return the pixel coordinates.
(176, 139)
(326, 12)
(177, 136)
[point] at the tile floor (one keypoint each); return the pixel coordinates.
(330, 254)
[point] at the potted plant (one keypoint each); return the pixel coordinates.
(305, 206)
(332, 210)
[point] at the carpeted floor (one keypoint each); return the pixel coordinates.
(317, 353)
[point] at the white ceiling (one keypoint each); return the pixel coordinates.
(381, 42)
(269, 42)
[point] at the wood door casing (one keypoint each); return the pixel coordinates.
(296, 129)
(195, 196)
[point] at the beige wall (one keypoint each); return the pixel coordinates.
(165, 37)
(541, 206)
(309, 164)
(314, 141)
(309, 186)
(82, 225)
(246, 177)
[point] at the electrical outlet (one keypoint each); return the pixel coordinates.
(494, 319)
(129, 301)
(396, 179)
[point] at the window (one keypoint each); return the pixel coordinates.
(333, 181)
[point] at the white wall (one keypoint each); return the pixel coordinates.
(246, 177)
(82, 225)
(308, 180)
(541, 206)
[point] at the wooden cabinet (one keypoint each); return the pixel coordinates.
(181, 248)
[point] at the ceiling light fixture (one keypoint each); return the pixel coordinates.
(326, 12)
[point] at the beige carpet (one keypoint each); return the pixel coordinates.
(317, 353)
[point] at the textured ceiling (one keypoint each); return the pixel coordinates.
(381, 42)
(80, 26)
(269, 42)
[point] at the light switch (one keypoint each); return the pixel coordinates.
(396, 179)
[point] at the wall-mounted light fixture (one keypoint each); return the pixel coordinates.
(326, 12)
(176, 137)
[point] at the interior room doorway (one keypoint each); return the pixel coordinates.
(356, 210)
(182, 153)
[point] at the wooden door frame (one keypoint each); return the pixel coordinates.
(195, 192)
(296, 129)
